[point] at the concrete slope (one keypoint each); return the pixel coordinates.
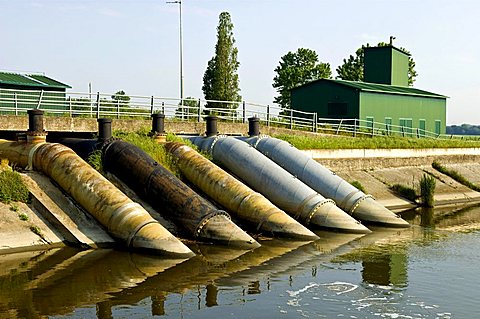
(76, 226)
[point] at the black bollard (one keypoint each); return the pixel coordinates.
(35, 121)
(211, 124)
(253, 126)
(104, 129)
(35, 133)
(158, 123)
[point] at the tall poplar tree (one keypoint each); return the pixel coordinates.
(220, 81)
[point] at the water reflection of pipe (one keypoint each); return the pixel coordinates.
(91, 277)
(170, 196)
(279, 186)
(203, 270)
(235, 196)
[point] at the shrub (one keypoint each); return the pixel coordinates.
(427, 190)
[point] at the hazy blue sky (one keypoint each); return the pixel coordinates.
(133, 44)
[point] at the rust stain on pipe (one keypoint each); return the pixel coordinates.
(236, 196)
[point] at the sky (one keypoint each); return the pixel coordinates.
(133, 45)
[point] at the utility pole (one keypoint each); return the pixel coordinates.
(181, 53)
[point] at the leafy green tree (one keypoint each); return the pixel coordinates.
(189, 107)
(297, 68)
(120, 98)
(220, 81)
(352, 68)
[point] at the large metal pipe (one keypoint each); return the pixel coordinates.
(125, 220)
(279, 186)
(235, 196)
(171, 197)
(322, 180)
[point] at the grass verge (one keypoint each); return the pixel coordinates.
(343, 142)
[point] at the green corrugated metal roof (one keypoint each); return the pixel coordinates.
(33, 80)
(382, 88)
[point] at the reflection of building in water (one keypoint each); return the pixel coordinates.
(385, 269)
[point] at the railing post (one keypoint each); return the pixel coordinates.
(151, 105)
(118, 109)
(268, 114)
(315, 115)
(199, 118)
(244, 112)
(339, 127)
(354, 127)
(16, 104)
(163, 107)
(70, 105)
(98, 105)
(291, 119)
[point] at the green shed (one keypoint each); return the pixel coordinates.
(384, 102)
(27, 91)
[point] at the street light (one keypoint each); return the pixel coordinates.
(181, 54)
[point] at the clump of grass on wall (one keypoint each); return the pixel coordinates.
(358, 185)
(12, 187)
(405, 191)
(427, 190)
(455, 175)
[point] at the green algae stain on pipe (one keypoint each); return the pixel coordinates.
(236, 196)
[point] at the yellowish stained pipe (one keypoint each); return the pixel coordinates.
(123, 218)
(235, 196)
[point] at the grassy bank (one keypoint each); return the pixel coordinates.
(343, 142)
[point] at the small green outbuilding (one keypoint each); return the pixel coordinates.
(384, 98)
(27, 91)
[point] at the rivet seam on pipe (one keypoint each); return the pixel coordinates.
(137, 229)
(347, 198)
(31, 153)
(215, 139)
(258, 139)
(302, 205)
(314, 211)
(206, 219)
(357, 203)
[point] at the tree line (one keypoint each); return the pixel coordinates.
(221, 81)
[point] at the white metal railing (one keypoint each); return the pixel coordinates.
(98, 105)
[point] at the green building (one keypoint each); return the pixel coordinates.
(28, 91)
(384, 101)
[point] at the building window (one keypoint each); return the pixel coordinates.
(422, 124)
(438, 126)
(406, 127)
(388, 125)
(337, 109)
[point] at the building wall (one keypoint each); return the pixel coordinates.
(28, 98)
(327, 99)
(386, 65)
(402, 108)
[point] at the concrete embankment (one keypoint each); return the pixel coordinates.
(378, 169)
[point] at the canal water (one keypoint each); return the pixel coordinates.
(431, 270)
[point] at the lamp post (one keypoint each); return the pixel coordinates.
(181, 54)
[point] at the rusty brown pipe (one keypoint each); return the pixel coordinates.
(235, 196)
(198, 218)
(125, 220)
